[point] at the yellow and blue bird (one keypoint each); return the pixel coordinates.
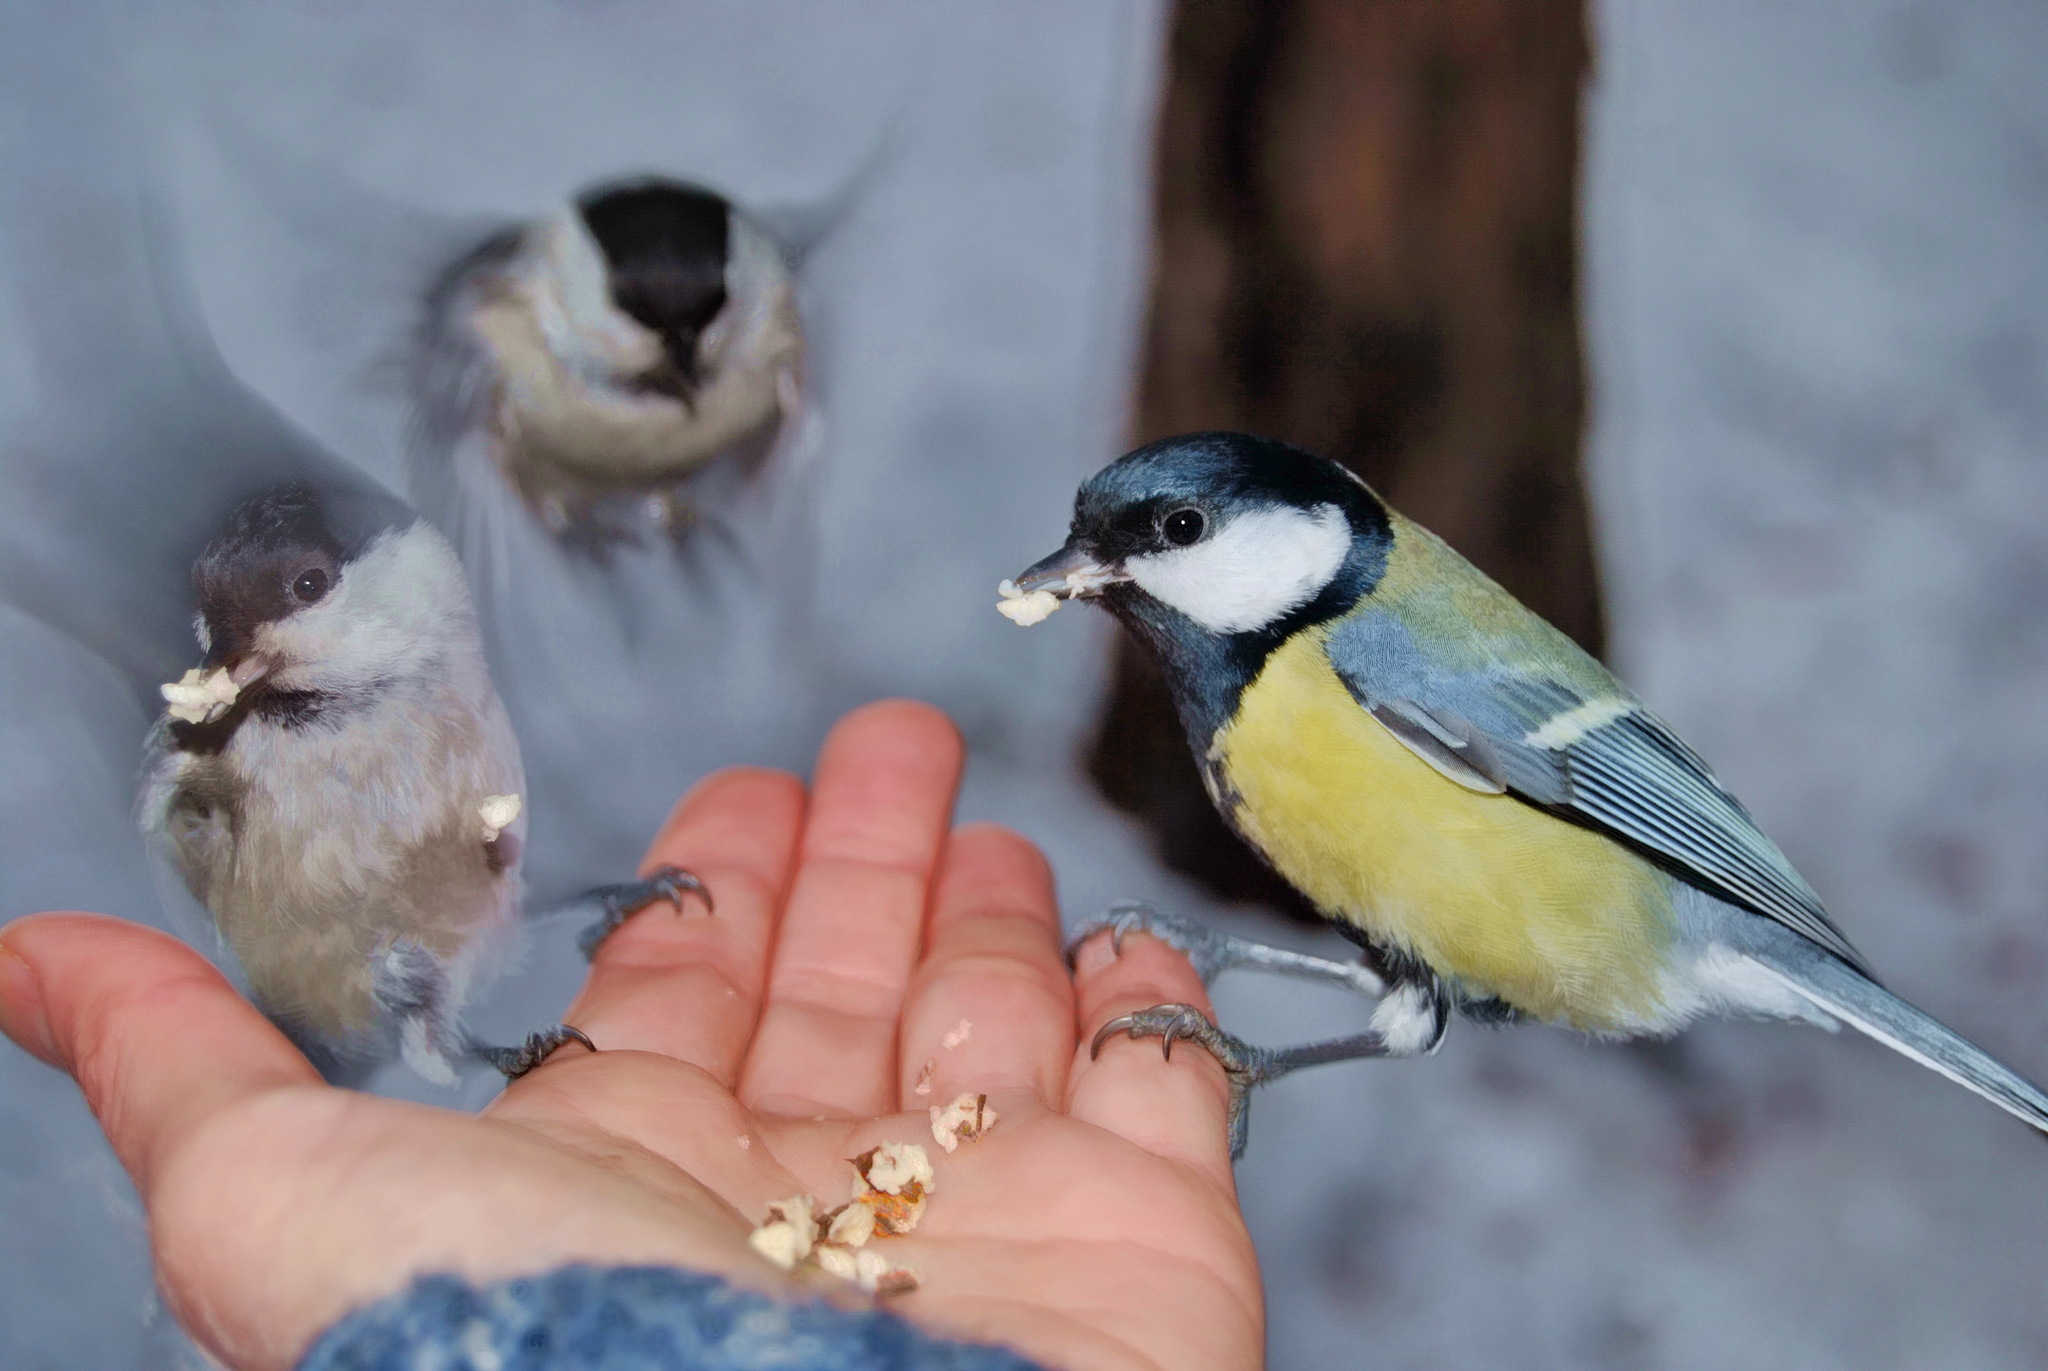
(1456, 785)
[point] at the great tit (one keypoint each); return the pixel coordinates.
(339, 785)
(1502, 827)
(608, 352)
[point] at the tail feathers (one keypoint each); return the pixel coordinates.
(1871, 1009)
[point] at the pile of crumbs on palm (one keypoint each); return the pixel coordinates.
(891, 1184)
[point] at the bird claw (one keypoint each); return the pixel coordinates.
(1209, 952)
(1212, 953)
(622, 902)
(1242, 1063)
(514, 1062)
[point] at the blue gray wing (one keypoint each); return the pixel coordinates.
(1597, 758)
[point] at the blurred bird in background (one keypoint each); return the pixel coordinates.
(339, 785)
(608, 352)
(1502, 827)
(216, 253)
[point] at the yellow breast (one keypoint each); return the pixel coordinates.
(1554, 919)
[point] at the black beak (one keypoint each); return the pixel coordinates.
(1072, 573)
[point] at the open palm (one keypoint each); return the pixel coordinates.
(745, 1056)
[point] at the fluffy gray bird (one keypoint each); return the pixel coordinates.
(339, 785)
(610, 351)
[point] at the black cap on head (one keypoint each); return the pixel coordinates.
(1119, 511)
(665, 246)
(281, 551)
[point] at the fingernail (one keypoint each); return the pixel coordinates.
(21, 1007)
(1093, 955)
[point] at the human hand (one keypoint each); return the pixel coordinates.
(744, 1057)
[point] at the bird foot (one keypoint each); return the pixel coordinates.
(1409, 1023)
(1212, 953)
(514, 1062)
(622, 902)
(1244, 1064)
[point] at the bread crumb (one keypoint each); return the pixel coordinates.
(874, 1274)
(789, 1232)
(894, 1180)
(1025, 608)
(866, 1268)
(838, 1261)
(498, 813)
(966, 1119)
(851, 1225)
(924, 1077)
(958, 1035)
(200, 697)
(892, 1166)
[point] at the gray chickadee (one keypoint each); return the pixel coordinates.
(610, 351)
(339, 785)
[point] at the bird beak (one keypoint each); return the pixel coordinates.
(241, 667)
(1072, 573)
(249, 669)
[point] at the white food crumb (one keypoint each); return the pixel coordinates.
(898, 1205)
(744, 1141)
(200, 697)
(892, 1166)
(851, 1226)
(1025, 608)
(924, 1077)
(873, 1274)
(782, 1243)
(1084, 579)
(498, 812)
(838, 1261)
(867, 1268)
(966, 1119)
(789, 1232)
(958, 1035)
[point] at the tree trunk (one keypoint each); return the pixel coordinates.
(1365, 244)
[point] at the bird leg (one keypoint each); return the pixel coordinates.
(412, 985)
(622, 902)
(1212, 953)
(1414, 1028)
(1409, 1021)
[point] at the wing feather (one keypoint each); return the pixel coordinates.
(1604, 761)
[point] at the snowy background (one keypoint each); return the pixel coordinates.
(1817, 263)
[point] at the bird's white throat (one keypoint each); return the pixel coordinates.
(1258, 567)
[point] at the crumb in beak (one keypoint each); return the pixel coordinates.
(1025, 609)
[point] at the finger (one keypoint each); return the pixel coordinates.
(683, 982)
(880, 806)
(991, 1008)
(1175, 1108)
(156, 1037)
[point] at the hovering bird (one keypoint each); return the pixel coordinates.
(1458, 787)
(608, 353)
(339, 785)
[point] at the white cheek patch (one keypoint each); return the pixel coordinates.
(1260, 566)
(572, 303)
(393, 608)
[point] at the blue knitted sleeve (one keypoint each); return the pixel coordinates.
(630, 1318)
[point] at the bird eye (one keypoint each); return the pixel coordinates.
(1183, 526)
(310, 586)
